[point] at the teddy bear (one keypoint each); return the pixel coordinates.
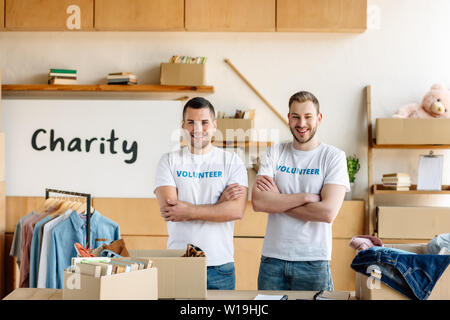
(435, 104)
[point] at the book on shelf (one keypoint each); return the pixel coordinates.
(120, 73)
(122, 80)
(122, 83)
(62, 81)
(397, 184)
(65, 71)
(115, 77)
(396, 175)
(62, 75)
(396, 181)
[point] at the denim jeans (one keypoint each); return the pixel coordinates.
(276, 274)
(413, 275)
(221, 277)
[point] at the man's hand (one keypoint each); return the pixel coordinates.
(177, 211)
(266, 183)
(232, 192)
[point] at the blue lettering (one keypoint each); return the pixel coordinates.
(287, 170)
(185, 174)
(307, 171)
(178, 173)
(293, 170)
(283, 169)
(220, 173)
(316, 171)
(201, 174)
(278, 168)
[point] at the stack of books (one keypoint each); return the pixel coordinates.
(62, 76)
(187, 59)
(121, 78)
(397, 181)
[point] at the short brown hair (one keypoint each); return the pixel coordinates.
(303, 96)
(199, 103)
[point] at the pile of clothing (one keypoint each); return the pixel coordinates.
(414, 275)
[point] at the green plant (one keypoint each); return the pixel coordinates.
(352, 167)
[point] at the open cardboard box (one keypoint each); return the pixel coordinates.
(441, 290)
(183, 74)
(178, 277)
(412, 131)
(135, 285)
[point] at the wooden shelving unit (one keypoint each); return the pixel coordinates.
(378, 189)
(153, 90)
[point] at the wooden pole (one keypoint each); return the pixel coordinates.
(227, 61)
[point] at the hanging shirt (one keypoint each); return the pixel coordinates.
(296, 171)
(27, 235)
(34, 250)
(43, 257)
(16, 246)
(67, 233)
(201, 179)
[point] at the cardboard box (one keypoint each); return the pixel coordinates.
(441, 291)
(183, 74)
(240, 129)
(2, 156)
(412, 131)
(178, 277)
(412, 222)
(136, 285)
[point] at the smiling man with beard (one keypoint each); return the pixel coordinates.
(301, 184)
(201, 190)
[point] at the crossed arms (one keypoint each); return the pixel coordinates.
(230, 206)
(304, 206)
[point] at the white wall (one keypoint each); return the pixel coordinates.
(400, 60)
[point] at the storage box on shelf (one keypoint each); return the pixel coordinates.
(186, 74)
(394, 131)
(238, 129)
(402, 134)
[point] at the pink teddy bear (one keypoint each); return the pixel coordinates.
(435, 104)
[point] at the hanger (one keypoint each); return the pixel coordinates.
(65, 205)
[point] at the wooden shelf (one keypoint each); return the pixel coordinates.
(107, 88)
(410, 146)
(86, 91)
(380, 189)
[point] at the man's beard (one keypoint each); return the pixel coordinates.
(204, 143)
(312, 134)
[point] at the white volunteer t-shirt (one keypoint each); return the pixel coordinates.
(296, 171)
(201, 179)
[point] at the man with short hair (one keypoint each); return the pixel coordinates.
(201, 190)
(301, 184)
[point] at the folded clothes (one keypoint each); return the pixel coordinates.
(413, 275)
(363, 242)
(439, 244)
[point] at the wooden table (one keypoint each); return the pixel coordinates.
(56, 294)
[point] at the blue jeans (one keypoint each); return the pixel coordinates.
(221, 277)
(413, 275)
(276, 274)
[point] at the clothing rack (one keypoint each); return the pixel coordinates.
(88, 208)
